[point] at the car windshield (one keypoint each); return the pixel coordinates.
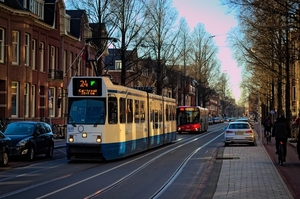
(239, 126)
(19, 129)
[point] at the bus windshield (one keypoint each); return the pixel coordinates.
(188, 116)
(86, 111)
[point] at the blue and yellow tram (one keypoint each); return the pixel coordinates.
(110, 121)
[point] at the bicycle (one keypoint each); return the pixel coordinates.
(268, 137)
(280, 153)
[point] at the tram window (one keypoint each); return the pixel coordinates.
(152, 116)
(136, 111)
(173, 113)
(142, 111)
(156, 120)
(167, 112)
(112, 110)
(122, 110)
(160, 116)
(129, 111)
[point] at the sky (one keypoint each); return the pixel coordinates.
(217, 21)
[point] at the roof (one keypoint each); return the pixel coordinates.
(75, 22)
(16, 4)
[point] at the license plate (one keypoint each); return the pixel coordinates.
(187, 129)
(239, 133)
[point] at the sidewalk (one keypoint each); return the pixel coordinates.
(248, 172)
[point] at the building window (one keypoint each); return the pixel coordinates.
(61, 96)
(65, 63)
(30, 5)
(1, 45)
(32, 101)
(26, 100)
(118, 64)
(70, 69)
(67, 23)
(64, 100)
(25, 3)
(26, 61)
(52, 61)
(15, 47)
(51, 102)
(33, 54)
(14, 99)
(39, 8)
(42, 53)
(52, 56)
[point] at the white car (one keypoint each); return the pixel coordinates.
(239, 133)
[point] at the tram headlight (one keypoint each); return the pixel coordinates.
(98, 139)
(84, 135)
(71, 139)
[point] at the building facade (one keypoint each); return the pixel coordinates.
(40, 45)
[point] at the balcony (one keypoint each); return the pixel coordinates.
(55, 74)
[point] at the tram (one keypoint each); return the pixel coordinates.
(109, 121)
(192, 119)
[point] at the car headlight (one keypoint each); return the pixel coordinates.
(22, 142)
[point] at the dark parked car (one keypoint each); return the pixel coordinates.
(5, 145)
(30, 139)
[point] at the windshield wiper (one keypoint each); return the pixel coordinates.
(72, 121)
(98, 121)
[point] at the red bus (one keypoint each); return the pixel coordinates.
(191, 119)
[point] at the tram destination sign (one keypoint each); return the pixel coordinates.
(87, 87)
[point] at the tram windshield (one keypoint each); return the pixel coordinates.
(188, 116)
(86, 111)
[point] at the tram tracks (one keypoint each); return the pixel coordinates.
(171, 179)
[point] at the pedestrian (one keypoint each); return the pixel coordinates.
(268, 125)
(298, 145)
(297, 123)
(281, 131)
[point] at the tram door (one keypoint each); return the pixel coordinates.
(156, 124)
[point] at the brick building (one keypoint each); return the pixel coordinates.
(40, 46)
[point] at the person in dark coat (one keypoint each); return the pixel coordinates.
(268, 125)
(297, 123)
(281, 131)
(298, 145)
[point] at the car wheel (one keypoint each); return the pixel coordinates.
(30, 154)
(226, 144)
(49, 153)
(4, 161)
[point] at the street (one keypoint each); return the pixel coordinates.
(188, 168)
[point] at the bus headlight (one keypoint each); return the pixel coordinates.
(84, 135)
(98, 139)
(71, 139)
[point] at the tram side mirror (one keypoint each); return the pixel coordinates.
(58, 102)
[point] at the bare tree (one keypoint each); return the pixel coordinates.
(204, 64)
(162, 38)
